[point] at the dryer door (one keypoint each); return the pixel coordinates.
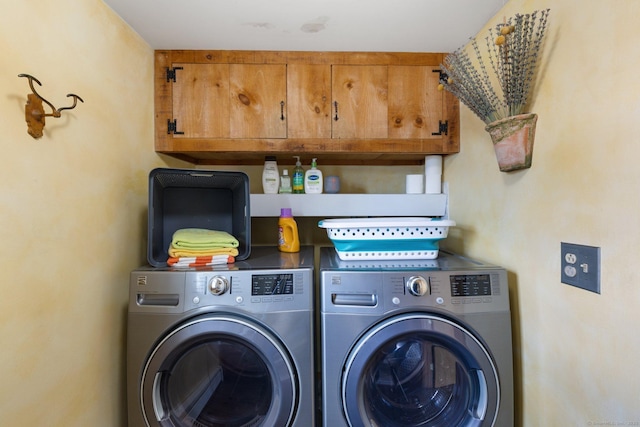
(420, 370)
(219, 370)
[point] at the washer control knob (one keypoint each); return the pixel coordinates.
(417, 286)
(218, 285)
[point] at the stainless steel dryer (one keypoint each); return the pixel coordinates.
(415, 343)
(223, 346)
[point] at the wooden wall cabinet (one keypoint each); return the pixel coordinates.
(235, 107)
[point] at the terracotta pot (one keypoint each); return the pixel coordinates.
(513, 141)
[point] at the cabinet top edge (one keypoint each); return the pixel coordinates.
(304, 57)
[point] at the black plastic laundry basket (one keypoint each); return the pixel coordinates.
(184, 198)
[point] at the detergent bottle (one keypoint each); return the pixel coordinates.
(288, 240)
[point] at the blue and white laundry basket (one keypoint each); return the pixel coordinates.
(386, 238)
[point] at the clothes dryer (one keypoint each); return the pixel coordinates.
(223, 346)
(415, 343)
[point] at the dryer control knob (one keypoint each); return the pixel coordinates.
(417, 286)
(218, 285)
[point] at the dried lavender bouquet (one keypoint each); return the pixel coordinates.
(513, 51)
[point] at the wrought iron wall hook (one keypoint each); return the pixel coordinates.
(34, 111)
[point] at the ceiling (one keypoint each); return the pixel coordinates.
(308, 25)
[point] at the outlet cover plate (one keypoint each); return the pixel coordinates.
(580, 266)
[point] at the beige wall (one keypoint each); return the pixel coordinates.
(73, 206)
(578, 351)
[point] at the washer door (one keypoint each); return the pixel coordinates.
(420, 370)
(219, 370)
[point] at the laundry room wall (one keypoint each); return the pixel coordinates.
(73, 206)
(577, 351)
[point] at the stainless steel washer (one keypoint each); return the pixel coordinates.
(223, 346)
(415, 343)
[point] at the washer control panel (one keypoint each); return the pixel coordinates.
(457, 291)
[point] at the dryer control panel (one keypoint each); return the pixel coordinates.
(250, 290)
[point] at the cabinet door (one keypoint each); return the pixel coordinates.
(309, 100)
(201, 100)
(257, 100)
(415, 103)
(360, 98)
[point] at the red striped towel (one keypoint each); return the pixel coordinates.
(200, 261)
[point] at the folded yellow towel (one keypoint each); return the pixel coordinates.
(178, 253)
(201, 238)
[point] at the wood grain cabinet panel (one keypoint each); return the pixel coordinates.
(309, 100)
(230, 101)
(258, 96)
(360, 101)
(201, 100)
(415, 103)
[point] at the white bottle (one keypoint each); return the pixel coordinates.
(270, 176)
(285, 183)
(313, 179)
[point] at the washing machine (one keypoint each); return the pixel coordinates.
(415, 343)
(223, 346)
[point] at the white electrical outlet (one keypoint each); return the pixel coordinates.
(580, 266)
(570, 258)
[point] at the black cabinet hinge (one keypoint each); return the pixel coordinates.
(171, 73)
(172, 127)
(443, 128)
(443, 77)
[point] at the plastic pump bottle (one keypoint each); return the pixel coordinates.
(313, 179)
(288, 240)
(298, 177)
(285, 183)
(270, 176)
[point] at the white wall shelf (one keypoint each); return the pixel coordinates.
(349, 205)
